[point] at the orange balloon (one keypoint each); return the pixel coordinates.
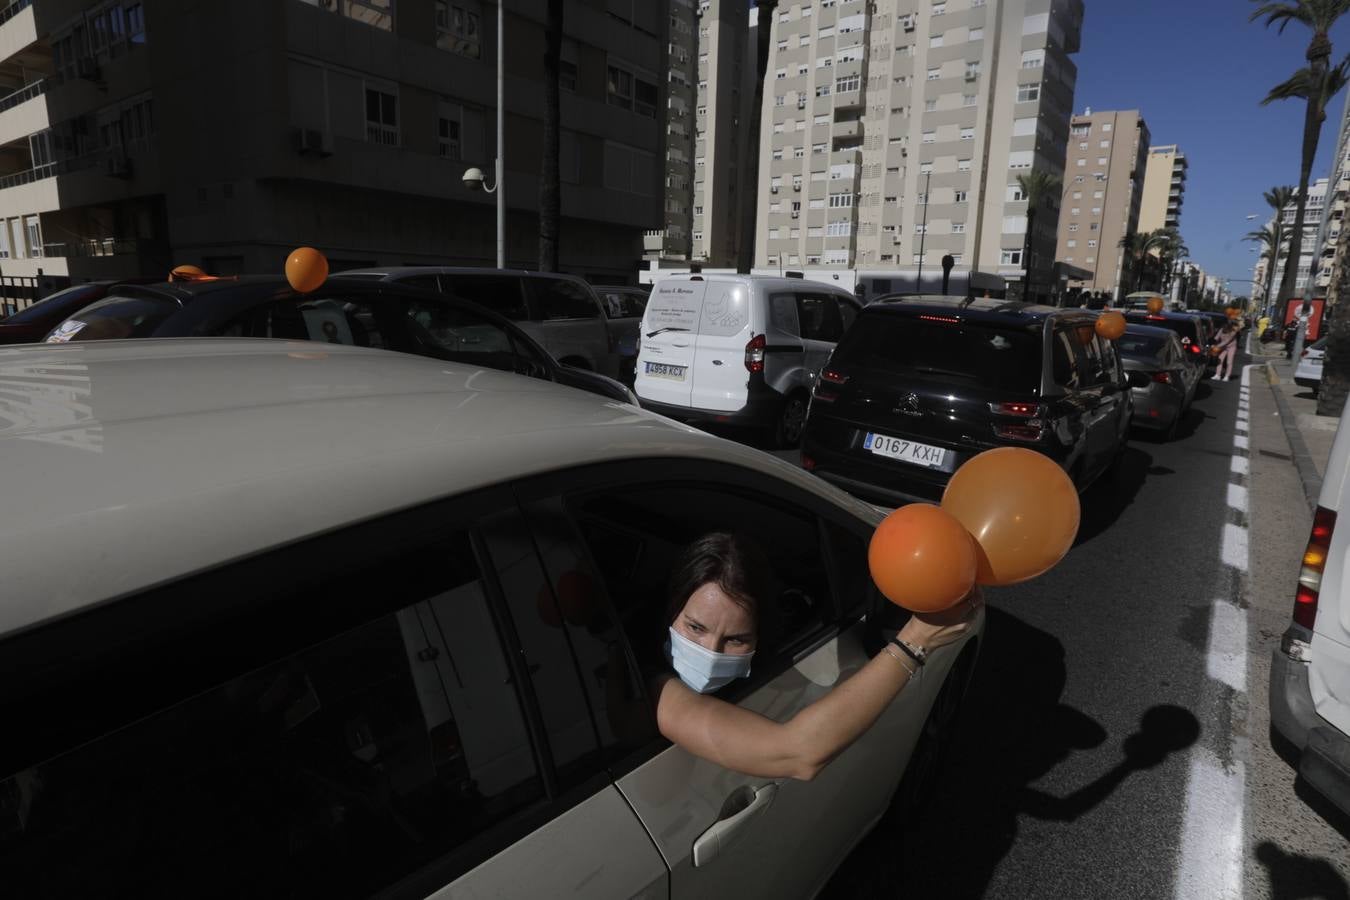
(306, 269)
(1021, 508)
(1155, 304)
(186, 273)
(922, 559)
(1110, 325)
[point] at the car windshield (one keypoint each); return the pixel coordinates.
(932, 348)
(113, 318)
(62, 303)
(1139, 345)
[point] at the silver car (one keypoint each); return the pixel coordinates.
(292, 619)
(1162, 376)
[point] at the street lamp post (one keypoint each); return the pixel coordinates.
(473, 178)
(923, 233)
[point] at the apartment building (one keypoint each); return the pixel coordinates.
(138, 134)
(1164, 189)
(1103, 189)
(894, 132)
(1312, 219)
(681, 129)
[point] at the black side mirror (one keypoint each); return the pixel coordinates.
(1137, 379)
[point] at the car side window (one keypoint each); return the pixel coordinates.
(558, 298)
(621, 304)
(1106, 351)
(455, 333)
(332, 319)
(427, 281)
(635, 536)
(1064, 359)
(820, 319)
(503, 294)
(1091, 365)
(848, 312)
(341, 765)
(783, 314)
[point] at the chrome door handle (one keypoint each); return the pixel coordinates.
(724, 832)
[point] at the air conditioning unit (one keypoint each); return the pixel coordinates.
(909, 25)
(773, 189)
(313, 142)
(117, 167)
(972, 76)
(797, 188)
(796, 214)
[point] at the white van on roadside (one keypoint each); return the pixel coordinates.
(1310, 672)
(739, 350)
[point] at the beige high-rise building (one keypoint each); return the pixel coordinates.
(136, 134)
(1164, 189)
(683, 63)
(1102, 194)
(894, 124)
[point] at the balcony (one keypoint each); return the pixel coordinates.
(654, 241)
(848, 99)
(18, 28)
(851, 129)
(23, 113)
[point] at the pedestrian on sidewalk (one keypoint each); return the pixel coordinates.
(1227, 347)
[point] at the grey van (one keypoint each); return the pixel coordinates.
(561, 312)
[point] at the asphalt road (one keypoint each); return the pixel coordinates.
(1104, 744)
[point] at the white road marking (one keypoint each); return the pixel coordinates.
(1226, 661)
(1239, 466)
(1211, 834)
(1240, 442)
(1234, 551)
(1237, 497)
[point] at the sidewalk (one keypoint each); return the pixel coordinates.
(1309, 435)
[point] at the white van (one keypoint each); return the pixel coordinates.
(738, 350)
(1310, 672)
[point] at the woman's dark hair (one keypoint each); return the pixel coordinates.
(733, 562)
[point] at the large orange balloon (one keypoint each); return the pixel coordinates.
(1021, 508)
(1110, 325)
(186, 273)
(1155, 305)
(922, 559)
(306, 269)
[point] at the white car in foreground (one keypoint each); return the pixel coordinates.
(1309, 371)
(287, 619)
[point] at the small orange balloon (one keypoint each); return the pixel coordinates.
(1110, 325)
(186, 273)
(922, 559)
(1021, 508)
(306, 269)
(1155, 305)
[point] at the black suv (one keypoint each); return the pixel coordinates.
(918, 385)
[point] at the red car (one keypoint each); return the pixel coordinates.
(31, 324)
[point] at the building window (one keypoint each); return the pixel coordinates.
(818, 148)
(976, 34)
(381, 117)
(798, 152)
(958, 196)
(958, 228)
(1092, 243)
(1073, 227)
(1033, 59)
(838, 229)
(1071, 243)
(1026, 93)
(968, 133)
(1097, 195)
(780, 73)
(848, 83)
(925, 168)
(963, 165)
(930, 106)
(448, 138)
(1106, 126)
(1080, 162)
(1010, 258)
(1015, 194)
(1104, 144)
(969, 100)
(457, 29)
(1074, 211)
(935, 40)
(823, 90)
(1101, 160)
(34, 229)
(972, 71)
(1096, 210)
(929, 137)
(802, 69)
(824, 62)
(1079, 131)
(934, 73)
(620, 87)
(939, 9)
(841, 201)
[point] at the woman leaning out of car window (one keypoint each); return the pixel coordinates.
(714, 620)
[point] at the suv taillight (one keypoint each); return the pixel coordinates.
(754, 354)
(833, 376)
(1314, 563)
(1162, 377)
(1030, 427)
(1022, 410)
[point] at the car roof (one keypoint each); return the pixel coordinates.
(135, 463)
(975, 308)
(391, 272)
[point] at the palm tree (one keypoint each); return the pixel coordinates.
(1272, 239)
(1137, 246)
(1037, 186)
(1310, 84)
(550, 178)
(745, 253)
(1277, 198)
(1171, 248)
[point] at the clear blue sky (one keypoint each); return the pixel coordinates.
(1197, 70)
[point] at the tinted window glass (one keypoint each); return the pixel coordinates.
(623, 304)
(114, 317)
(333, 319)
(1064, 360)
(337, 768)
(1186, 329)
(58, 305)
(847, 312)
(819, 315)
(499, 293)
(783, 314)
(449, 331)
(966, 352)
(1140, 346)
(561, 299)
(427, 282)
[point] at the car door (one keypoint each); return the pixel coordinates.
(346, 716)
(723, 833)
(822, 326)
(1102, 405)
(571, 325)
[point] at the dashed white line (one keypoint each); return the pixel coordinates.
(1234, 552)
(1226, 661)
(1239, 466)
(1240, 442)
(1237, 497)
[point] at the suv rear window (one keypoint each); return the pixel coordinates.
(113, 318)
(1189, 329)
(1139, 345)
(963, 352)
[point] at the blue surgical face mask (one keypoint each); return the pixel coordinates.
(705, 670)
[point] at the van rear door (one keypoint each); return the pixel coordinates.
(721, 380)
(666, 342)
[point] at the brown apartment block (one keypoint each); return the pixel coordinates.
(1103, 178)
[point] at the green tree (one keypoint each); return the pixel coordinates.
(1277, 198)
(1272, 240)
(1039, 187)
(1137, 246)
(1312, 85)
(1171, 248)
